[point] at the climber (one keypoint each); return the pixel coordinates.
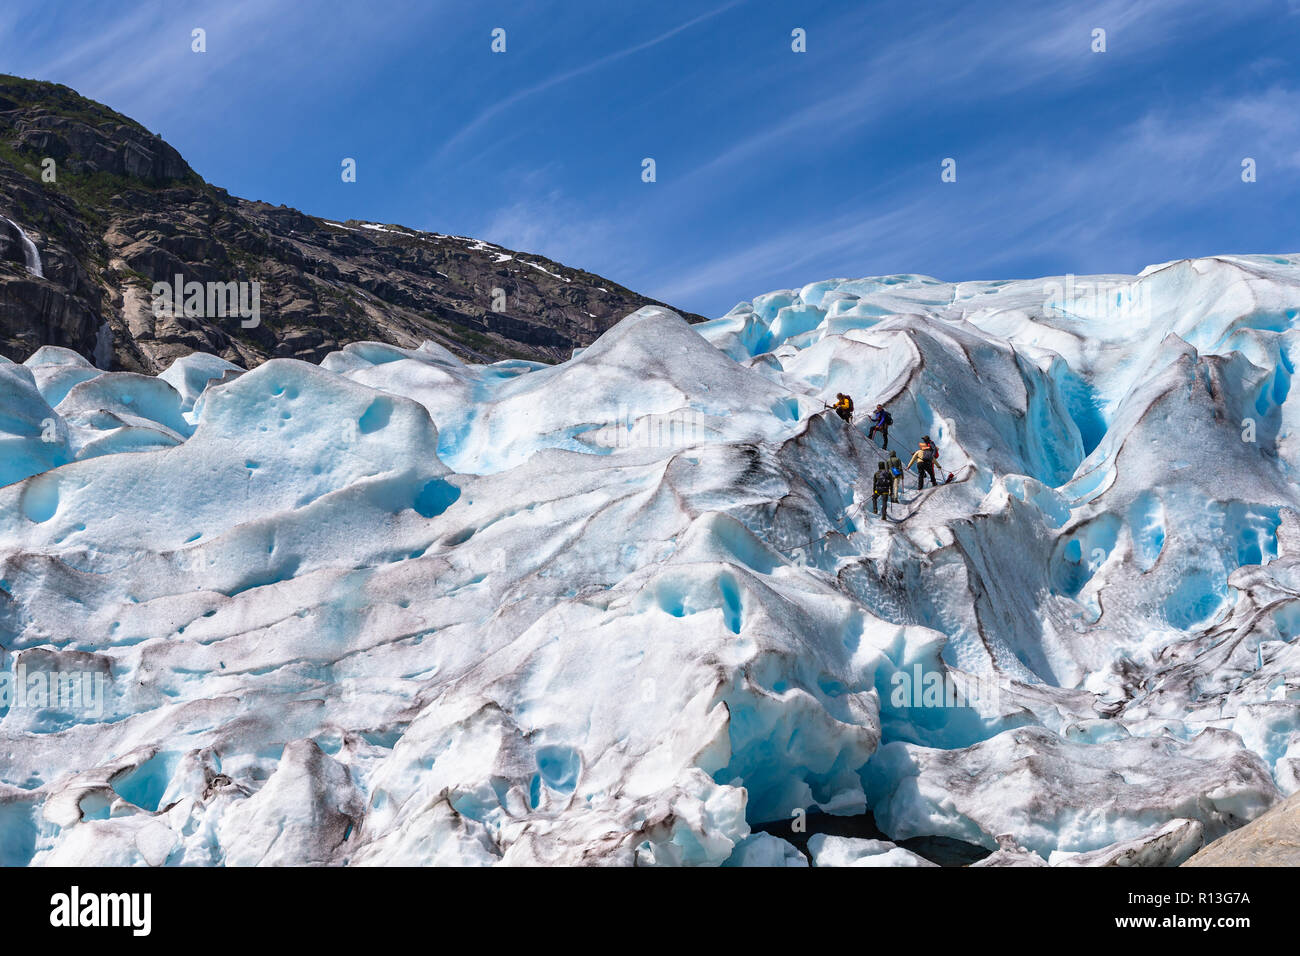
(924, 458)
(894, 465)
(882, 484)
(843, 406)
(880, 422)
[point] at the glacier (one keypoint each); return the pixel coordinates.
(631, 608)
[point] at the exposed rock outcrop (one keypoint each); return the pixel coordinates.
(124, 211)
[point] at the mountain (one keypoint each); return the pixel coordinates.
(636, 607)
(125, 211)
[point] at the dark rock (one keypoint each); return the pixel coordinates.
(126, 212)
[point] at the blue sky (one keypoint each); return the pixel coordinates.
(774, 168)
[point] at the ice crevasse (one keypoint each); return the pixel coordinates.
(634, 608)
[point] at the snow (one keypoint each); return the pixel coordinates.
(763, 849)
(1169, 844)
(848, 851)
(191, 374)
(1119, 789)
(104, 346)
(123, 412)
(553, 275)
(401, 609)
(30, 440)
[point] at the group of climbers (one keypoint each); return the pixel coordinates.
(887, 482)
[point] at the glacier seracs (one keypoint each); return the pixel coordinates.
(398, 609)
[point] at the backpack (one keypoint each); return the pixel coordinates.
(882, 482)
(889, 419)
(895, 469)
(927, 453)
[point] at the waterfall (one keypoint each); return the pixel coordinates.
(104, 347)
(32, 257)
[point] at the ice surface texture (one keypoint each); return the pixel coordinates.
(399, 609)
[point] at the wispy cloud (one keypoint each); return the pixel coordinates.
(1061, 198)
(556, 226)
(138, 58)
(974, 55)
(486, 116)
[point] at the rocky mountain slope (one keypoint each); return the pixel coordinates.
(125, 211)
(1270, 840)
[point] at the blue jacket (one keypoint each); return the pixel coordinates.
(878, 418)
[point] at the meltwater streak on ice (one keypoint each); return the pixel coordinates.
(585, 645)
(31, 257)
(104, 346)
